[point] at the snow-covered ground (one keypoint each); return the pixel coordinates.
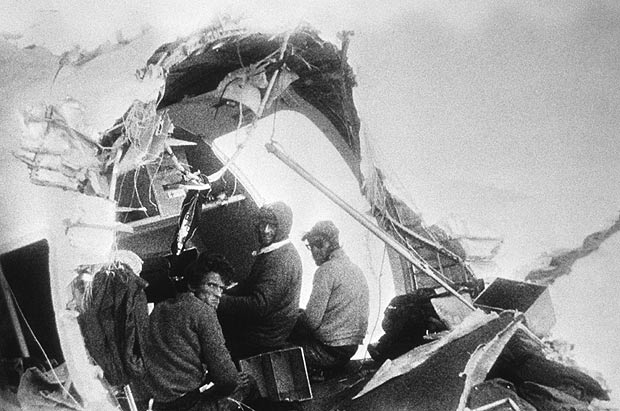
(587, 312)
(500, 114)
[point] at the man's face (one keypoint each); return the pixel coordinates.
(210, 290)
(266, 233)
(319, 249)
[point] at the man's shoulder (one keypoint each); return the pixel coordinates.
(338, 258)
(289, 248)
(188, 303)
(287, 252)
(339, 263)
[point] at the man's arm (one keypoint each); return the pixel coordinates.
(270, 288)
(215, 355)
(319, 297)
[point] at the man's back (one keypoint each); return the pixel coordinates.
(338, 306)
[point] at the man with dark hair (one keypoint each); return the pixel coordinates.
(336, 317)
(185, 350)
(209, 287)
(258, 314)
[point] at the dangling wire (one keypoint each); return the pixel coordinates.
(273, 124)
(218, 174)
(374, 328)
(151, 190)
(240, 405)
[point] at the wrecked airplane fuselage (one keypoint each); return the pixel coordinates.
(188, 169)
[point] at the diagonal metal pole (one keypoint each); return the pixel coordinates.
(363, 220)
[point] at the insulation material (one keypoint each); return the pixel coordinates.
(144, 134)
(90, 229)
(56, 151)
(479, 242)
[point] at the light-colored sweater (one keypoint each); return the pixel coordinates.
(337, 310)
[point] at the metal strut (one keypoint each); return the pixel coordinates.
(360, 218)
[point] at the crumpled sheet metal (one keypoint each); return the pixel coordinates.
(483, 359)
(437, 380)
(406, 362)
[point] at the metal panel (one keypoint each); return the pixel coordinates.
(533, 300)
(281, 375)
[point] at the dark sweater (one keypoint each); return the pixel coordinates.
(185, 340)
(263, 309)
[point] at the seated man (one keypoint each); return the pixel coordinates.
(258, 314)
(336, 317)
(185, 348)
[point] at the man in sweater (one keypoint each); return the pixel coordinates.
(185, 348)
(336, 317)
(258, 314)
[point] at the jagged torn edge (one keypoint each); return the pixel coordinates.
(393, 368)
(483, 358)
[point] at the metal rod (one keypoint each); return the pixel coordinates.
(130, 399)
(360, 218)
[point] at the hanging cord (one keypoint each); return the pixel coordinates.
(218, 174)
(133, 123)
(151, 190)
(47, 359)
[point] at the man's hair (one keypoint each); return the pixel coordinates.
(206, 263)
(323, 230)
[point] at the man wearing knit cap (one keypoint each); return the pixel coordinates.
(336, 317)
(258, 314)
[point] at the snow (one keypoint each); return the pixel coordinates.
(501, 114)
(587, 312)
